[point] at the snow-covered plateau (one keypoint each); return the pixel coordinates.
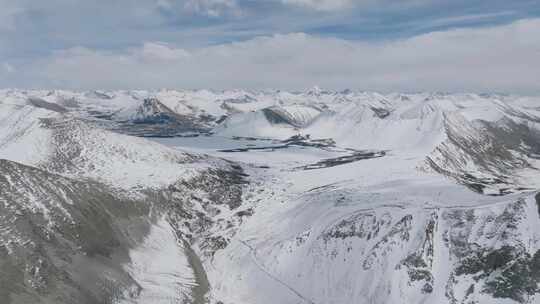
(248, 197)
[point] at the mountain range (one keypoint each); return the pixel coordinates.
(243, 197)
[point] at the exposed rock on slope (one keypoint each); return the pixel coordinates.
(64, 241)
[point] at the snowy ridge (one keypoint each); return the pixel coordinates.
(68, 145)
(119, 160)
(21, 136)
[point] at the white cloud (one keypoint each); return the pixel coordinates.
(164, 4)
(8, 13)
(212, 8)
(502, 58)
(321, 5)
(8, 68)
(209, 8)
(152, 51)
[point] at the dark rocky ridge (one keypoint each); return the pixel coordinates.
(40, 103)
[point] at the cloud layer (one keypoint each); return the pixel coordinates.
(8, 12)
(321, 5)
(501, 58)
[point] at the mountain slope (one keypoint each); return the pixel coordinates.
(387, 254)
(63, 240)
(120, 173)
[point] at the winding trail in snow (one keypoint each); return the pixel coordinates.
(273, 277)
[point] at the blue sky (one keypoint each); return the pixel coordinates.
(34, 34)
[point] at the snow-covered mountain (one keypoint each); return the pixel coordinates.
(269, 197)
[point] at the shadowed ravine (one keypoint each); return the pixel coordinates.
(202, 286)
